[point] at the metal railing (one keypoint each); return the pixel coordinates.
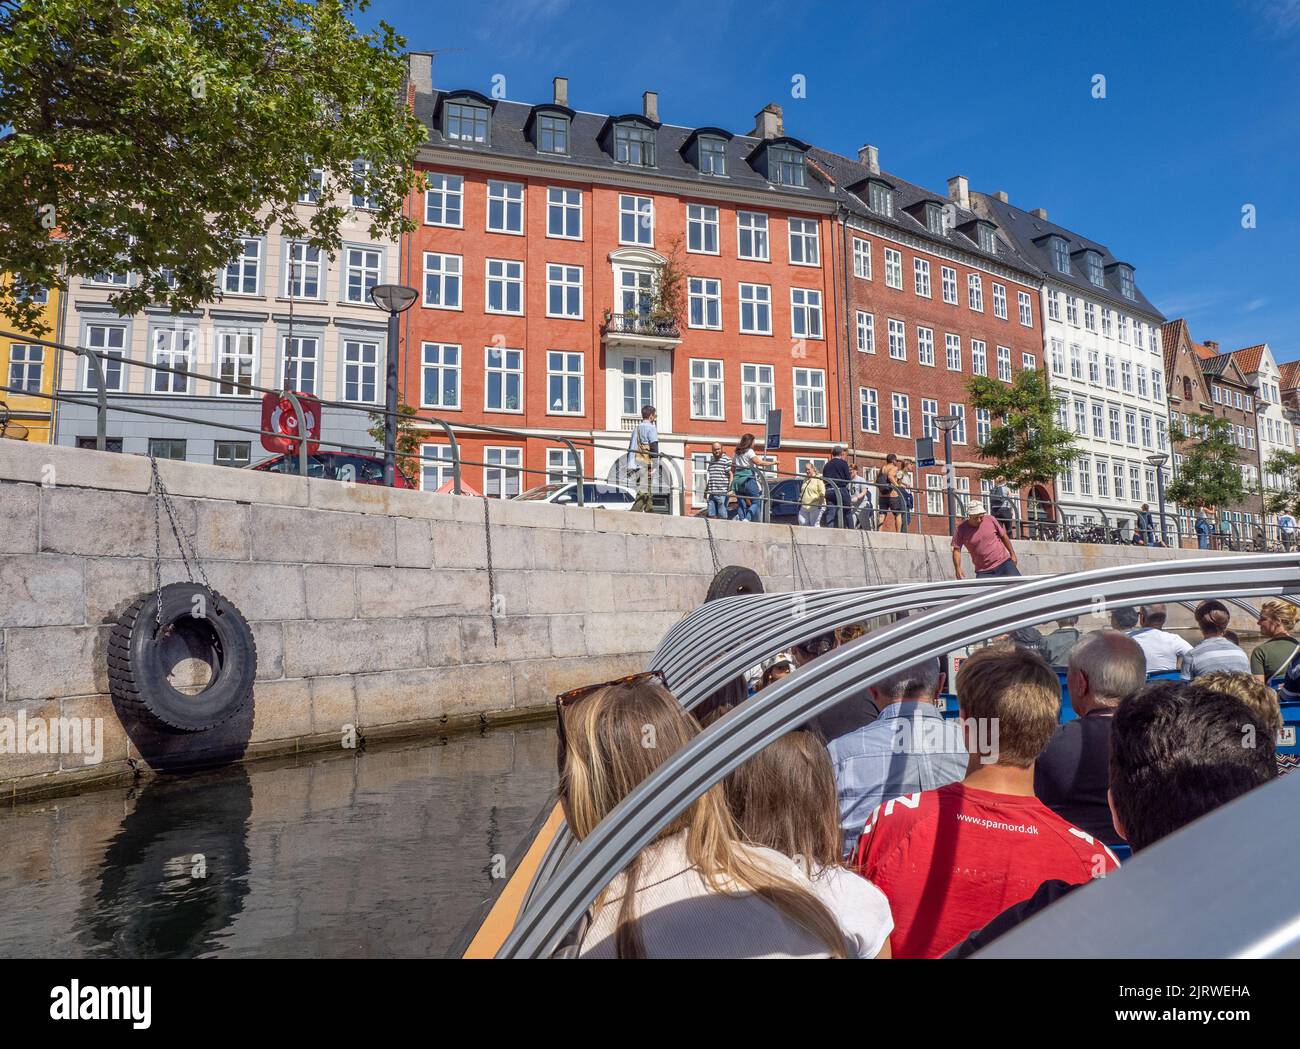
(642, 324)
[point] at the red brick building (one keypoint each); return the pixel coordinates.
(543, 241)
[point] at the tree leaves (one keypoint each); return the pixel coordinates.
(1026, 445)
(1209, 474)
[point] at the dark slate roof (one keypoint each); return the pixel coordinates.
(507, 138)
(848, 173)
(1215, 365)
(1027, 229)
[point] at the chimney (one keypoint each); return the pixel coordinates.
(419, 71)
(769, 122)
(561, 85)
(959, 191)
(650, 105)
(1002, 196)
(1039, 213)
(869, 158)
(1211, 346)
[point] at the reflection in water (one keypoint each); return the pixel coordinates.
(377, 854)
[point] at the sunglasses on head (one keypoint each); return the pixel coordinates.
(567, 699)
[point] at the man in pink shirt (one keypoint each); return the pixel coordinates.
(989, 545)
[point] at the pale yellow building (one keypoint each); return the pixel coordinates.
(30, 367)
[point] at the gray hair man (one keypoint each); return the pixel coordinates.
(909, 748)
(1073, 774)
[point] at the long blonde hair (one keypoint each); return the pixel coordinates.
(616, 737)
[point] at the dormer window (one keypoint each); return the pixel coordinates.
(713, 156)
(1126, 287)
(553, 133)
(465, 122)
(785, 166)
(635, 145)
(880, 199)
(934, 219)
(1060, 255)
(1095, 273)
(987, 237)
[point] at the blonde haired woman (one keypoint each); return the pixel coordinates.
(1278, 651)
(785, 798)
(812, 497)
(696, 891)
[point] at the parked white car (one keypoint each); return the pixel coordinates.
(601, 495)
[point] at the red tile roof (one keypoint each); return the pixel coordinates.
(1291, 375)
(1170, 334)
(1249, 358)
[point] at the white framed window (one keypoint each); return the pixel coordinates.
(925, 346)
(1106, 322)
(921, 277)
(361, 371)
(236, 362)
(861, 258)
(636, 290)
(959, 431)
(440, 385)
(805, 248)
(983, 425)
(1053, 305)
(897, 340)
(894, 268)
(805, 313)
(562, 466)
(1085, 476)
(1103, 478)
(304, 271)
(504, 287)
(243, 273)
(310, 193)
(755, 309)
(809, 397)
(902, 415)
(564, 291)
(699, 477)
(1026, 309)
(1113, 413)
(949, 277)
(1027, 362)
(706, 389)
(444, 200)
(563, 213)
(704, 301)
(360, 184)
(442, 275)
(505, 207)
(1094, 367)
(1110, 372)
(869, 409)
(301, 355)
(1131, 428)
(975, 292)
(1099, 420)
(751, 236)
(1072, 310)
(638, 385)
(1146, 431)
(503, 472)
(363, 269)
(1126, 376)
(564, 383)
(1076, 361)
(702, 229)
(1123, 328)
(952, 351)
(1057, 355)
(636, 220)
(1089, 316)
(109, 340)
(866, 332)
(503, 387)
(929, 413)
(999, 301)
(172, 348)
(26, 367)
(1067, 479)
(757, 392)
(979, 357)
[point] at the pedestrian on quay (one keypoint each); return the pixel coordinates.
(643, 450)
(987, 541)
(860, 495)
(717, 484)
(1286, 530)
(744, 478)
(1203, 514)
(812, 497)
(837, 472)
(890, 500)
(1146, 527)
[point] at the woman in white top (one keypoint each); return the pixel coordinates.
(696, 891)
(784, 798)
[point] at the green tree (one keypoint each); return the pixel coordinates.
(1026, 444)
(409, 439)
(1283, 465)
(150, 135)
(1209, 474)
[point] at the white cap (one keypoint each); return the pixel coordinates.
(975, 508)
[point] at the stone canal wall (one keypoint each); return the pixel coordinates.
(371, 607)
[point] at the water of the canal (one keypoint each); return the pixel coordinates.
(385, 853)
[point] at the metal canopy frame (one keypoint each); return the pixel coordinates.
(561, 899)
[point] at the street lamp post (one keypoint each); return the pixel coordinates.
(394, 299)
(948, 423)
(1158, 461)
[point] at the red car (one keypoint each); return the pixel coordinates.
(337, 466)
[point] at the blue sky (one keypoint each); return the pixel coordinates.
(1201, 115)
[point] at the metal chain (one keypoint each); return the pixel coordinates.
(190, 559)
(492, 584)
(713, 547)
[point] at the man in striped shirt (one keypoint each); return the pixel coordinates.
(718, 482)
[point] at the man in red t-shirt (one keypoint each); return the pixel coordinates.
(990, 547)
(951, 859)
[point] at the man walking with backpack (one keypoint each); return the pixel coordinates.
(643, 450)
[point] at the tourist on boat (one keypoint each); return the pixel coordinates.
(1176, 755)
(1057, 644)
(910, 747)
(987, 541)
(1164, 651)
(697, 890)
(784, 799)
(1073, 774)
(1216, 652)
(782, 668)
(951, 859)
(1261, 699)
(850, 713)
(1274, 656)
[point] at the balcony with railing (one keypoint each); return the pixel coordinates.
(647, 328)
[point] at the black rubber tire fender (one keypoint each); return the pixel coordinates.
(732, 581)
(138, 678)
